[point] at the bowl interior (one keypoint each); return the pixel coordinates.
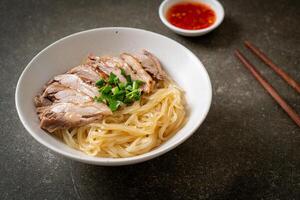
(213, 4)
(182, 65)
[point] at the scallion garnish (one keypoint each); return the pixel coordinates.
(114, 93)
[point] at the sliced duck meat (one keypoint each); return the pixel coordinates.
(71, 96)
(56, 92)
(45, 98)
(121, 64)
(74, 82)
(87, 73)
(140, 73)
(130, 65)
(67, 101)
(107, 65)
(68, 115)
(151, 64)
(39, 101)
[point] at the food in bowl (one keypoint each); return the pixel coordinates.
(179, 63)
(191, 15)
(113, 106)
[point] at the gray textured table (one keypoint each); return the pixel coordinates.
(247, 148)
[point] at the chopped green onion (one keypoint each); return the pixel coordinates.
(122, 86)
(113, 104)
(123, 72)
(113, 79)
(128, 79)
(136, 84)
(128, 88)
(100, 83)
(119, 96)
(105, 89)
(115, 90)
(113, 93)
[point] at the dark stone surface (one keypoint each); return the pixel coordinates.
(247, 148)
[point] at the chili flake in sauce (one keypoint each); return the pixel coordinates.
(191, 16)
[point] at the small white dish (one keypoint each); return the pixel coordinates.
(213, 4)
(182, 65)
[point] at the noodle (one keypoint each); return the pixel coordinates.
(135, 129)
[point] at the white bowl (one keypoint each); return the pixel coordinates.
(214, 4)
(182, 65)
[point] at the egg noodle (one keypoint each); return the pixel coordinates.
(135, 129)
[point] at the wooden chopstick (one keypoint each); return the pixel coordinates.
(284, 105)
(273, 66)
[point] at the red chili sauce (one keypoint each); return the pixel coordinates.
(191, 16)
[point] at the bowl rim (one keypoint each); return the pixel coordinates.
(217, 23)
(112, 161)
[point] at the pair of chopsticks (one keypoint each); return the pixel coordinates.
(284, 105)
